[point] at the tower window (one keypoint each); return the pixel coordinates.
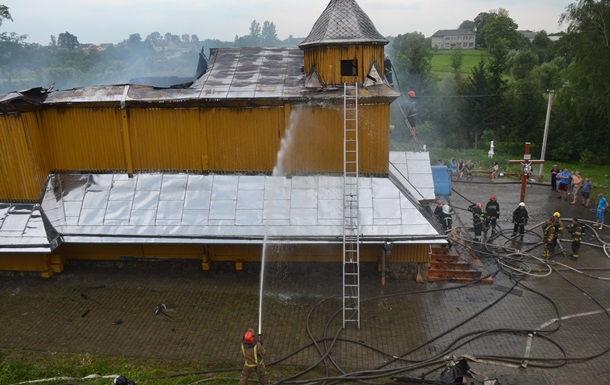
(349, 67)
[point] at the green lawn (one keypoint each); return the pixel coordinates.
(441, 61)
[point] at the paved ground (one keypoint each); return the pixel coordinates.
(111, 311)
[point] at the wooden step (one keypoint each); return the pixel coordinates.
(454, 273)
(449, 265)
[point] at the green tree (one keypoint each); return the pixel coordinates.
(469, 25)
(457, 58)
(67, 40)
(411, 60)
(269, 35)
(523, 62)
(501, 26)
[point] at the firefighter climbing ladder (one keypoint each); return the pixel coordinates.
(351, 237)
(419, 145)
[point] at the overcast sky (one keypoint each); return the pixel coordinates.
(111, 21)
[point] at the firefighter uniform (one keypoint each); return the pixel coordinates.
(549, 238)
(478, 217)
(576, 229)
(492, 213)
(558, 225)
(253, 352)
(520, 218)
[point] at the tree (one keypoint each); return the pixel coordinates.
(67, 40)
(523, 63)
(269, 35)
(154, 37)
(4, 14)
(457, 58)
(588, 36)
(469, 25)
(480, 22)
(412, 60)
(501, 26)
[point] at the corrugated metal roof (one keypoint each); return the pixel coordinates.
(233, 73)
(183, 208)
(22, 229)
(343, 22)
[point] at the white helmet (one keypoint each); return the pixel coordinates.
(446, 209)
(522, 204)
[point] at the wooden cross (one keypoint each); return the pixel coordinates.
(527, 163)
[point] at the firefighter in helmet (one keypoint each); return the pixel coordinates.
(558, 225)
(520, 218)
(576, 229)
(492, 213)
(478, 217)
(447, 221)
(253, 352)
(412, 111)
(548, 238)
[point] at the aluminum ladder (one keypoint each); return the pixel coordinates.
(351, 233)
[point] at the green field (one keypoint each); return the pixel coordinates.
(441, 61)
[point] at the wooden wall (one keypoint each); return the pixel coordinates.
(327, 62)
(183, 139)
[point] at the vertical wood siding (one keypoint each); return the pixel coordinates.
(22, 170)
(83, 139)
(317, 139)
(327, 62)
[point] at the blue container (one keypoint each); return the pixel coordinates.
(442, 181)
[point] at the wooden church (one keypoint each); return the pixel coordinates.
(278, 146)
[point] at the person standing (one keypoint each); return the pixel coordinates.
(577, 230)
(558, 228)
(477, 220)
(453, 168)
(495, 171)
(492, 213)
(602, 206)
(563, 181)
(548, 238)
(253, 352)
(585, 196)
(447, 222)
(554, 172)
(520, 218)
(576, 185)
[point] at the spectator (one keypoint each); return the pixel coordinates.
(602, 206)
(453, 168)
(576, 185)
(554, 172)
(461, 167)
(585, 196)
(563, 180)
(469, 169)
(495, 171)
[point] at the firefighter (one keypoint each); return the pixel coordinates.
(478, 217)
(520, 218)
(548, 238)
(577, 229)
(412, 111)
(447, 221)
(558, 224)
(492, 213)
(253, 352)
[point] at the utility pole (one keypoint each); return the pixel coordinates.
(546, 131)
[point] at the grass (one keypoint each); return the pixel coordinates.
(62, 369)
(441, 61)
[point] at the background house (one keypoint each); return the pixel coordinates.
(453, 39)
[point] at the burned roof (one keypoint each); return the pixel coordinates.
(343, 22)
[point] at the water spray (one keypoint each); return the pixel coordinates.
(278, 171)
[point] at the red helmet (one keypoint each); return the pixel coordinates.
(479, 205)
(493, 197)
(411, 94)
(249, 337)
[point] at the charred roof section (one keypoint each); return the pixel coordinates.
(343, 22)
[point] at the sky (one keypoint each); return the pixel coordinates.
(112, 21)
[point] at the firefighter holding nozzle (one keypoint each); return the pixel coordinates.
(478, 218)
(253, 352)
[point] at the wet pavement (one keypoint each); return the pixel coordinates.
(406, 328)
